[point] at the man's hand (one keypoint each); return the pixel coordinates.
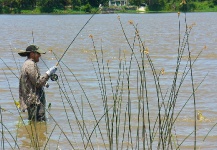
(51, 71)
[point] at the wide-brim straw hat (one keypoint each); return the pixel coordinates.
(31, 48)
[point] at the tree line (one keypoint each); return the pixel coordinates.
(50, 5)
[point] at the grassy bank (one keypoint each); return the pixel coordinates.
(39, 11)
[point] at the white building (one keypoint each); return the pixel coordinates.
(118, 2)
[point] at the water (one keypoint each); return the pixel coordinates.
(160, 32)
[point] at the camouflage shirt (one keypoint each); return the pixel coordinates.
(31, 84)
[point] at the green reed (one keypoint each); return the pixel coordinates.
(164, 123)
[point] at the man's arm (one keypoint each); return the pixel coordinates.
(34, 75)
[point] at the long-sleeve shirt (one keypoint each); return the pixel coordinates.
(31, 85)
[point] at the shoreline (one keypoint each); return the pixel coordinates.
(115, 12)
(111, 10)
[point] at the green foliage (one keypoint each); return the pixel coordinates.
(5, 10)
(198, 6)
(55, 6)
(157, 5)
(86, 8)
(123, 9)
(76, 4)
(64, 6)
(94, 10)
(171, 7)
(94, 3)
(1, 7)
(77, 8)
(136, 2)
(214, 2)
(187, 7)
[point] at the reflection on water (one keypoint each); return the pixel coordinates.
(79, 106)
(32, 135)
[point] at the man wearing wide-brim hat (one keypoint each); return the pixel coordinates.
(31, 84)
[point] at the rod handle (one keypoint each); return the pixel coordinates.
(57, 63)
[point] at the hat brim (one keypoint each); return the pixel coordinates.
(40, 51)
(24, 53)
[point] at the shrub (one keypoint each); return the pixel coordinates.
(94, 10)
(5, 10)
(86, 8)
(188, 7)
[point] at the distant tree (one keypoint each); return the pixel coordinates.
(86, 8)
(76, 4)
(104, 2)
(49, 5)
(156, 5)
(136, 2)
(83, 2)
(94, 3)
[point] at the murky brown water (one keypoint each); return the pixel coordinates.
(160, 33)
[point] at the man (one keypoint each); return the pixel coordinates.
(31, 84)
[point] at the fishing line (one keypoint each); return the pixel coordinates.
(54, 77)
(14, 58)
(74, 39)
(9, 67)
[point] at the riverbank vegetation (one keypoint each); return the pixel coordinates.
(90, 6)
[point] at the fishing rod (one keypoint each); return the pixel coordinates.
(54, 77)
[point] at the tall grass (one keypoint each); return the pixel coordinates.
(127, 121)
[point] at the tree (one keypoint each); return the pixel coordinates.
(94, 3)
(156, 5)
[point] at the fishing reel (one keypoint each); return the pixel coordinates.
(54, 77)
